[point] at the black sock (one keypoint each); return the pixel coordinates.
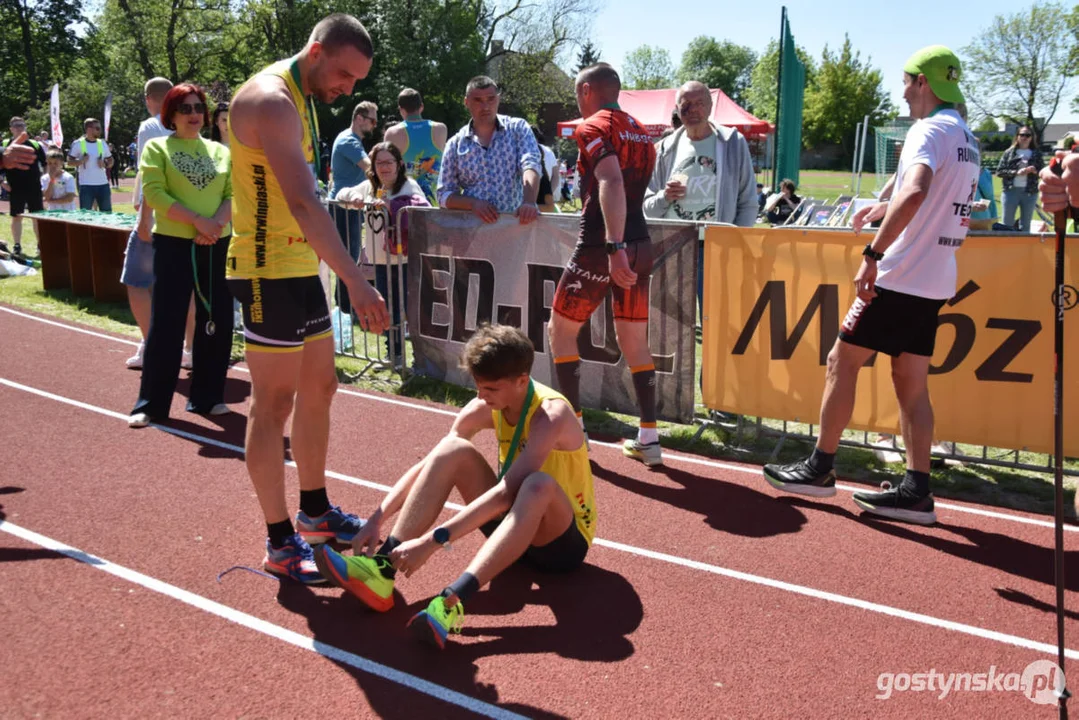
(463, 587)
(387, 570)
(568, 371)
(644, 383)
(821, 461)
(279, 532)
(388, 546)
(314, 503)
(917, 481)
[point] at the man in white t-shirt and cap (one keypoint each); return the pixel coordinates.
(90, 154)
(907, 274)
(703, 172)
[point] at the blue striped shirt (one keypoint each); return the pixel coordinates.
(494, 173)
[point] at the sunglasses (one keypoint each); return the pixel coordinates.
(1024, 135)
(188, 108)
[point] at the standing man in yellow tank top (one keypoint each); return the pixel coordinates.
(539, 506)
(280, 232)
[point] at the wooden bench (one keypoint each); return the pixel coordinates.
(83, 250)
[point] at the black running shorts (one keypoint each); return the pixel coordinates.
(893, 323)
(281, 315)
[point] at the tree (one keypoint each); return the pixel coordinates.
(722, 65)
(647, 68)
(764, 79)
(1017, 68)
(589, 55)
(987, 125)
(845, 90)
(37, 46)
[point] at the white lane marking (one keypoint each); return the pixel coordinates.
(262, 626)
(688, 459)
(65, 326)
(652, 554)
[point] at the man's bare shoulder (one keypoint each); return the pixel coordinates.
(561, 419)
(260, 104)
(396, 132)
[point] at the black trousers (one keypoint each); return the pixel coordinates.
(174, 281)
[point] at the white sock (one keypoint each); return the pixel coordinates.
(647, 436)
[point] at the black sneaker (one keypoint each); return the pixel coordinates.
(898, 503)
(801, 479)
(17, 251)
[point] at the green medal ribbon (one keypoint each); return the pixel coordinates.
(512, 451)
(312, 117)
(210, 327)
(942, 106)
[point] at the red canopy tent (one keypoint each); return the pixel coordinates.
(652, 108)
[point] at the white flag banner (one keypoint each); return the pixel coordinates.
(54, 115)
(108, 115)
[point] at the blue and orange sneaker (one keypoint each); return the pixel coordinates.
(334, 525)
(293, 560)
(434, 624)
(358, 575)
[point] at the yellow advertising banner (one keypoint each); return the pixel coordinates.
(774, 300)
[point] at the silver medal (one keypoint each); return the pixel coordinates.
(210, 327)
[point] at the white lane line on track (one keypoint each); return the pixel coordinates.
(266, 628)
(688, 459)
(803, 590)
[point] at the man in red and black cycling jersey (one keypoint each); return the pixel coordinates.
(615, 164)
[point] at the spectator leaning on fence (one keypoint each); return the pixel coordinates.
(187, 180)
(898, 301)
(24, 185)
(382, 196)
(703, 172)
(492, 164)
(92, 156)
(1018, 170)
(350, 165)
(420, 141)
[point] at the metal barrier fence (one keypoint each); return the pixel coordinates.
(388, 351)
(785, 430)
(386, 266)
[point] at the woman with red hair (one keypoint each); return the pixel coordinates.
(186, 179)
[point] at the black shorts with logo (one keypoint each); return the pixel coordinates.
(281, 315)
(893, 323)
(26, 201)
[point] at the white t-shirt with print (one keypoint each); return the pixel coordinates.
(922, 259)
(64, 186)
(91, 174)
(1020, 181)
(696, 160)
(374, 221)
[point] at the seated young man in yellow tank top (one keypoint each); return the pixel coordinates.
(540, 506)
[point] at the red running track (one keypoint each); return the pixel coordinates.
(706, 595)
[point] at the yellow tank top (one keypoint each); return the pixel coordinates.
(570, 469)
(267, 242)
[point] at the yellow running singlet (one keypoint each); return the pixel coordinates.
(267, 242)
(569, 468)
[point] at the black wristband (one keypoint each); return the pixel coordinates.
(872, 254)
(614, 247)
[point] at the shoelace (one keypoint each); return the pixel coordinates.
(459, 618)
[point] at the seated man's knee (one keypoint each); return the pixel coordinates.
(453, 445)
(537, 487)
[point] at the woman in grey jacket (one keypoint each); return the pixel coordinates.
(1018, 169)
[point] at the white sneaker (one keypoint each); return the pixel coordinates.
(135, 361)
(649, 453)
(138, 420)
(186, 362)
(220, 409)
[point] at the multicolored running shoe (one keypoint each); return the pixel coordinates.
(334, 525)
(434, 624)
(293, 560)
(358, 575)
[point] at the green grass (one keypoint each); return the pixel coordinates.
(1018, 489)
(829, 184)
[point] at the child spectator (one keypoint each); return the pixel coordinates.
(58, 185)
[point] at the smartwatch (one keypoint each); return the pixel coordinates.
(614, 247)
(872, 254)
(442, 536)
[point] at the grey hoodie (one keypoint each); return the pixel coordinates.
(736, 186)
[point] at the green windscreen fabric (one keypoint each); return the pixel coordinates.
(790, 96)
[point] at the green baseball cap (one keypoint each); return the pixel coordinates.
(941, 69)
